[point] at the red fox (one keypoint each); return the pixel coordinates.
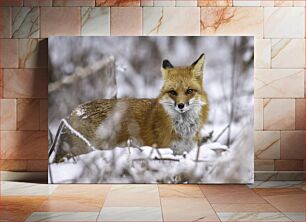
(172, 120)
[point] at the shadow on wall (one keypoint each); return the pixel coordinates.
(31, 146)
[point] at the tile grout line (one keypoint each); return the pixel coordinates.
(278, 210)
(161, 208)
(104, 202)
(209, 203)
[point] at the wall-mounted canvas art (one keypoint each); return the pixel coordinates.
(151, 109)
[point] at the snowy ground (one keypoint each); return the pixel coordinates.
(215, 163)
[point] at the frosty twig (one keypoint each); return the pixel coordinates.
(80, 74)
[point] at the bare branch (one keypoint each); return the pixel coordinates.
(80, 74)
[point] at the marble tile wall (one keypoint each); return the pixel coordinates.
(278, 27)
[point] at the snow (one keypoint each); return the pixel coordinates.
(151, 165)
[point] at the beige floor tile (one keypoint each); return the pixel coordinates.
(265, 192)
(71, 204)
(63, 216)
(133, 195)
(286, 199)
(263, 207)
(187, 209)
(130, 214)
(10, 188)
(288, 203)
(77, 190)
(18, 208)
(230, 194)
(188, 191)
(253, 216)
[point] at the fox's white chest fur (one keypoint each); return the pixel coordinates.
(186, 125)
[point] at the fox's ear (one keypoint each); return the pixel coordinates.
(198, 66)
(165, 65)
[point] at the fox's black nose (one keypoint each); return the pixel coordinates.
(180, 105)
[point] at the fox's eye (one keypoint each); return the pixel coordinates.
(172, 93)
(189, 91)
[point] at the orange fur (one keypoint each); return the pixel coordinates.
(108, 123)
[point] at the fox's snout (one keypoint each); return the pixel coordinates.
(182, 107)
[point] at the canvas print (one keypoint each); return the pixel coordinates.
(150, 109)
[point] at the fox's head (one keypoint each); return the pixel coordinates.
(183, 88)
